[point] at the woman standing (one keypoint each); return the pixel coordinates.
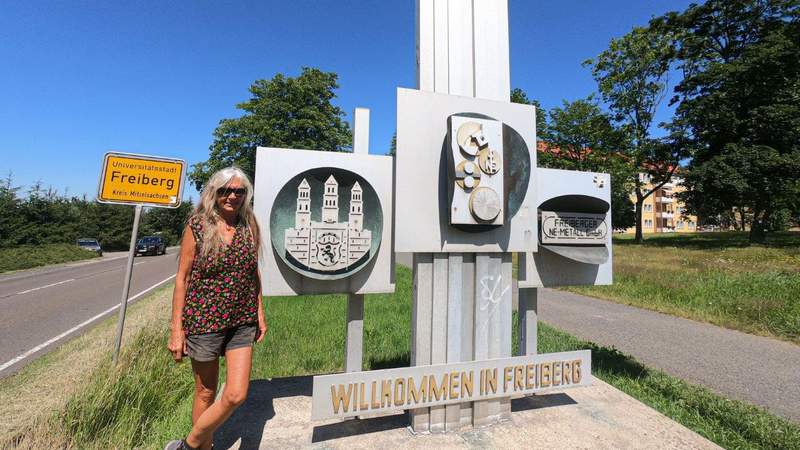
(216, 306)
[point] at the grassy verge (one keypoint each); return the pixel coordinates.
(28, 256)
(146, 400)
(712, 277)
(46, 385)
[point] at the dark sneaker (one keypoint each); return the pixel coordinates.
(174, 445)
(178, 445)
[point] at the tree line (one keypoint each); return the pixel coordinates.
(39, 216)
(734, 135)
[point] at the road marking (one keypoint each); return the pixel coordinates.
(45, 286)
(78, 327)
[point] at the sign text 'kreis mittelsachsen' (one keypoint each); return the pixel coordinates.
(356, 393)
(138, 179)
(573, 228)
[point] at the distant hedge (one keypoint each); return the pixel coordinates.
(43, 216)
(27, 256)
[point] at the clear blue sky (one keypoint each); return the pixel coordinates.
(154, 77)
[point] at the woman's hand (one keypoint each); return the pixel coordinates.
(177, 344)
(262, 328)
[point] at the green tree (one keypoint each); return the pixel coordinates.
(632, 77)
(519, 96)
(740, 92)
(582, 137)
(393, 145)
(282, 112)
(757, 177)
(10, 219)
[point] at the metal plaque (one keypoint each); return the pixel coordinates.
(573, 228)
(357, 393)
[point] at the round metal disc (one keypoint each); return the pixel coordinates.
(475, 174)
(469, 182)
(484, 204)
(490, 161)
(464, 140)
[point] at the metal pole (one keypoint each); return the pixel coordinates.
(127, 286)
(354, 342)
(528, 316)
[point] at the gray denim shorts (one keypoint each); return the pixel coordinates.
(210, 346)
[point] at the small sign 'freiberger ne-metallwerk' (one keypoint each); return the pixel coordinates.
(357, 393)
(141, 180)
(573, 228)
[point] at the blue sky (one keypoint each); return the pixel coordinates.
(81, 78)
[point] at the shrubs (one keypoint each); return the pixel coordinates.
(28, 256)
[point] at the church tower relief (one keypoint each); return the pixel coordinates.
(330, 204)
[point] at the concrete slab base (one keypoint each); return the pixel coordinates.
(276, 415)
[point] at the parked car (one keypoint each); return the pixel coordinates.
(151, 245)
(90, 244)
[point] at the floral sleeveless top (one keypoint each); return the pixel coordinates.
(223, 290)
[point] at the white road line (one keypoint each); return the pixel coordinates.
(45, 286)
(78, 327)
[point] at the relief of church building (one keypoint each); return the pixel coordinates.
(328, 246)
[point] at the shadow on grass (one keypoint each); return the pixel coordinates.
(390, 363)
(614, 362)
(712, 240)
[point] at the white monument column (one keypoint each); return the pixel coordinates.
(354, 340)
(462, 306)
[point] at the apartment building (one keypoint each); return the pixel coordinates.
(662, 211)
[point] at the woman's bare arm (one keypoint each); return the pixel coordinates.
(177, 340)
(262, 319)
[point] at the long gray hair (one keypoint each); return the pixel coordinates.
(207, 210)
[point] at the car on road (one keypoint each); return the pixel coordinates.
(90, 244)
(151, 245)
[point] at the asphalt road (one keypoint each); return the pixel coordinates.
(42, 308)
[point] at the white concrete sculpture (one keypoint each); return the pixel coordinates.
(466, 171)
(327, 217)
(575, 239)
(328, 246)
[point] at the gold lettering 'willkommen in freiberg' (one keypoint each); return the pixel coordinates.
(453, 387)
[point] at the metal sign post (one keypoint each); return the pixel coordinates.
(123, 306)
(139, 180)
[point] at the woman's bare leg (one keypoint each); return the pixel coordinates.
(237, 382)
(206, 377)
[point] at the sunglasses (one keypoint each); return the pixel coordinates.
(224, 192)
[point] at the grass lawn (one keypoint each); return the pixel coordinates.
(712, 277)
(147, 399)
(28, 256)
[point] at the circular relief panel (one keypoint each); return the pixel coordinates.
(484, 204)
(326, 223)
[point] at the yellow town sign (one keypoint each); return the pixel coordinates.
(141, 180)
